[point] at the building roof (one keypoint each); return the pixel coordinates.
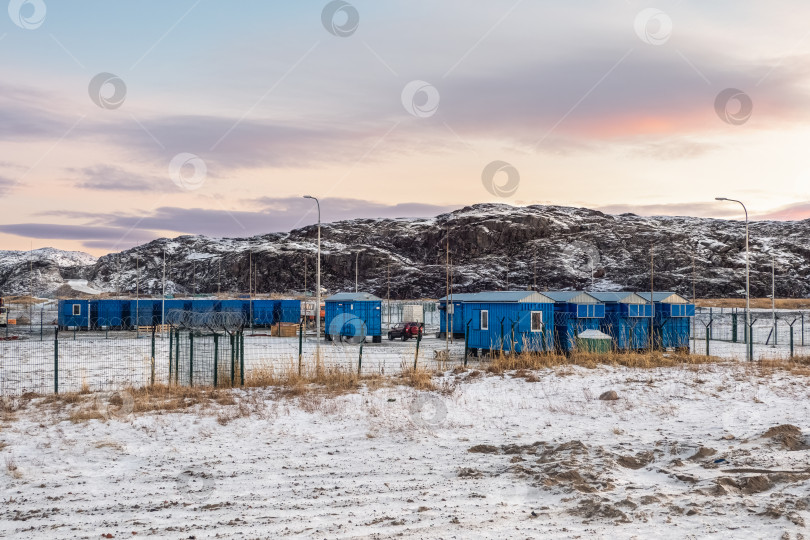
(664, 297)
(510, 296)
(593, 334)
(618, 297)
(572, 297)
(459, 297)
(353, 297)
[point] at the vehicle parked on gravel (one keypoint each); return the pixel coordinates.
(405, 331)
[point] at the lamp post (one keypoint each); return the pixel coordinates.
(773, 297)
(356, 270)
(747, 277)
(317, 283)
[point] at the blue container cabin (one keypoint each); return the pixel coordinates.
(574, 312)
(270, 312)
(74, 314)
(509, 321)
(672, 323)
(353, 316)
(456, 319)
(627, 319)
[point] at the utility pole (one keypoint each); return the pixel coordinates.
(318, 283)
(448, 302)
(219, 276)
(388, 292)
(694, 277)
(137, 293)
(773, 297)
(163, 297)
(534, 274)
(652, 300)
(356, 270)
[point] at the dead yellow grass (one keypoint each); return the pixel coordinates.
(311, 378)
(756, 303)
(642, 360)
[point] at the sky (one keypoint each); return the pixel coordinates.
(126, 121)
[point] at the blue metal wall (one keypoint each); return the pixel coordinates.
(628, 325)
(351, 318)
(114, 313)
(66, 317)
(673, 325)
(458, 319)
(504, 318)
(571, 319)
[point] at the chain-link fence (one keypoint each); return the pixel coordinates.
(779, 333)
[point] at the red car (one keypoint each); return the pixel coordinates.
(405, 330)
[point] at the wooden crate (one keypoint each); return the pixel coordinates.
(284, 330)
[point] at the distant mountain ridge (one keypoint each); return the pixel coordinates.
(491, 247)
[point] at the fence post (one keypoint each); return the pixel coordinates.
(300, 346)
(751, 343)
(708, 329)
(466, 341)
(360, 358)
(152, 380)
(233, 360)
(55, 361)
(416, 356)
(171, 340)
(191, 359)
(775, 332)
(216, 358)
(791, 341)
(734, 328)
(242, 358)
(177, 357)
(41, 315)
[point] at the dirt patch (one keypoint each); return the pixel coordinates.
(469, 473)
(703, 453)
(640, 460)
(483, 449)
(592, 508)
(788, 436)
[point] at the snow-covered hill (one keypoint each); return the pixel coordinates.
(491, 246)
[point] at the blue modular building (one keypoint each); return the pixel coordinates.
(353, 316)
(127, 314)
(672, 320)
(627, 319)
(270, 312)
(456, 317)
(574, 312)
(510, 321)
(74, 314)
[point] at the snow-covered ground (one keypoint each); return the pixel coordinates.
(679, 454)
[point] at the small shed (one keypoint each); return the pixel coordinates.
(574, 312)
(456, 314)
(513, 321)
(627, 319)
(594, 341)
(353, 316)
(672, 323)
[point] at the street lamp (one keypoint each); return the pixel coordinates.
(356, 270)
(317, 283)
(747, 279)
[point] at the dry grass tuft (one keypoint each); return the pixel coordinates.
(527, 361)
(417, 378)
(11, 467)
(756, 303)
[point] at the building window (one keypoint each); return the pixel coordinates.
(484, 320)
(537, 321)
(77, 309)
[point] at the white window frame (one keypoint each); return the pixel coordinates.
(77, 309)
(481, 320)
(531, 321)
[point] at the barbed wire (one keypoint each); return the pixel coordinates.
(229, 321)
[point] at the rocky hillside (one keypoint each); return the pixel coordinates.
(490, 246)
